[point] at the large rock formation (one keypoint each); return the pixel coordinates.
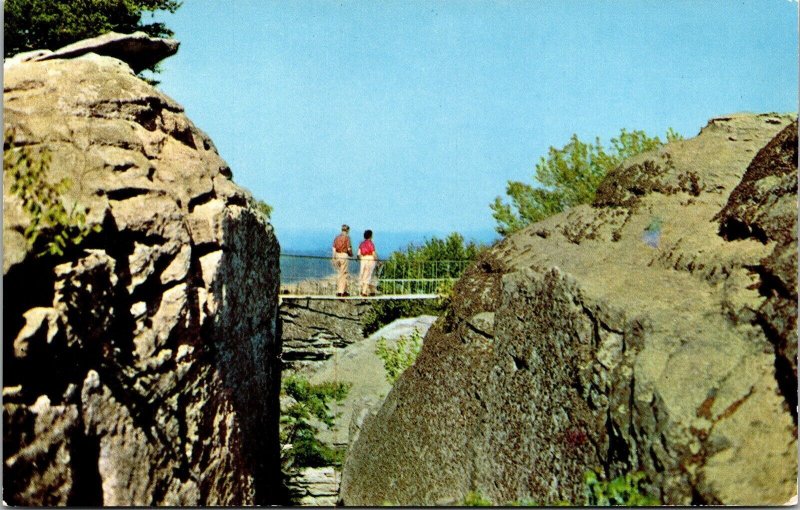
(141, 367)
(652, 331)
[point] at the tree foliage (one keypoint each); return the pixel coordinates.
(435, 258)
(567, 177)
(310, 402)
(396, 359)
(51, 24)
(264, 208)
(52, 227)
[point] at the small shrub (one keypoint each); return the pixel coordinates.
(264, 208)
(625, 490)
(398, 358)
(298, 434)
(475, 498)
(52, 228)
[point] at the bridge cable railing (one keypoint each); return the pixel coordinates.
(315, 275)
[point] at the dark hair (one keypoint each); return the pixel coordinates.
(368, 234)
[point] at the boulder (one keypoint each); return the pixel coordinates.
(141, 366)
(359, 366)
(138, 50)
(644, 332)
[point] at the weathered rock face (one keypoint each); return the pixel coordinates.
(650, 331)
(315, 486)
(313, 330)
(764, 207)
(141, 367)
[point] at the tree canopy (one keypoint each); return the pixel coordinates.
(51, 24)
(418, 258)
(568, 177)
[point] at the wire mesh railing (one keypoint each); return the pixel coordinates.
(314, 275)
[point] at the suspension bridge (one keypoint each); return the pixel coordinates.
(313, 277)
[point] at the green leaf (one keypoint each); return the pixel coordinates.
(567, 177)
(42, 200)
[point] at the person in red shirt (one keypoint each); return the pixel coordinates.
(369, 258)
(342, 251)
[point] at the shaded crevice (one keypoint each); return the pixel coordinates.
(618, 458)
(184, 136)
(121, 194)
(160, 490)
(36, 279)
(520, 363)
(771, 285)
(201, 199)
(87, 484)
(697, 498)
(237, 199)
(734, 229)
(202, 249)
(785, 375)
(145, 111)
(152, 290)
(787, 384)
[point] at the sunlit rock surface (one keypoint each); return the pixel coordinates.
(141, 367)
(651, 331)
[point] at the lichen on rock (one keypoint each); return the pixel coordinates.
(614, 347)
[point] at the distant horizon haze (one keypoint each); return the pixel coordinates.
(317, 242)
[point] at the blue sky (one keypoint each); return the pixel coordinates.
(412, 115)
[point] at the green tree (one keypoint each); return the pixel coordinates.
(51, 24)
(568, 177)
(310, 402)
(434, 259)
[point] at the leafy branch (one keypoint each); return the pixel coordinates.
(567, 177)
(398, 358)
(51, 224)
(300, 445)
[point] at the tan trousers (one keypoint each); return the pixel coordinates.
(340, 261)
(365, 277)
